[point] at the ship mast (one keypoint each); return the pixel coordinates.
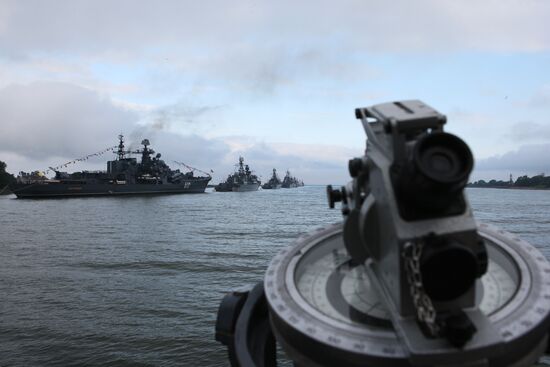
(120, 152)
(241, 168)
(146, 152)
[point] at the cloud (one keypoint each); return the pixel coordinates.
(541, 98)
(47, 119)
(264, 68)
(100, 26)
(529, 131)
(119, 28)
(182, 119)
(247, 47)
(49, 123)
(526, 159)
(256, 46)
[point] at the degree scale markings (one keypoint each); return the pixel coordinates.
(356, 289)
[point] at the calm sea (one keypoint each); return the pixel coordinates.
(137, 281)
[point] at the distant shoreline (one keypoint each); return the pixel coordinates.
(538, 182)
(509, 187)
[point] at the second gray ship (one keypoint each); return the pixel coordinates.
(274, 182)
(242, 180)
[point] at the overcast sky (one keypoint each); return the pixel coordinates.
(276, 82)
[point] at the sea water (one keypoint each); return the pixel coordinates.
(137, 281)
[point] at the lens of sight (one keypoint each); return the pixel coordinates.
(444, 160)
(448, 270)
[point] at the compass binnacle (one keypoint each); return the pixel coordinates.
(314, 289)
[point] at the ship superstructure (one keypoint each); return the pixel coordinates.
(274, 182)
(241, 180)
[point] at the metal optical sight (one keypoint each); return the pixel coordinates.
(408, 279)
(406, 215)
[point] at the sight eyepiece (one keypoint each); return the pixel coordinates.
(443, 162)
(432, 175)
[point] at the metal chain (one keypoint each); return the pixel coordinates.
(425, 311)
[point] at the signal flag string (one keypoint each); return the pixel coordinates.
(85, 158)
(193, 168)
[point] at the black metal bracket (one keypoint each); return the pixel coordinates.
(243, 326)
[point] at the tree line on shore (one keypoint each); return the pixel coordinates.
(5, 177)
(539, 182)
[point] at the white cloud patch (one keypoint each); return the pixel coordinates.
(50, 123)
(526, 160)
(46, 119)
(101, 26)
(255, 46)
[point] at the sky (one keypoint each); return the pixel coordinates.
(276, 81)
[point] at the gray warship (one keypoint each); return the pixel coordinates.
(242, 180)
(291, 181)
(124, 176)
(273, 183)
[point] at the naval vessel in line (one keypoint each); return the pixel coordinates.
(273, 183)
(124, 176)
(242, 180)
(291, 181)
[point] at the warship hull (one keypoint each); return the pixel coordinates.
(61, 189)
(271, 187)
(223, 187)
(289, 186)
(246, 187)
